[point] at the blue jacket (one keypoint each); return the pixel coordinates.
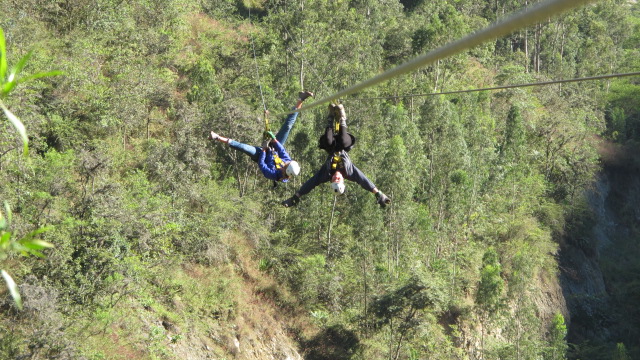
(268, 165)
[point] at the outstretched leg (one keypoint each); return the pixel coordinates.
(286, 127)
(321, 176)
(252, 151)
(331, 141)
(343, 140)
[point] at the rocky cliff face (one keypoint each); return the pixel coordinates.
(599, 260)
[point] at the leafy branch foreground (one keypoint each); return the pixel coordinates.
(29, 244)
(8, 82)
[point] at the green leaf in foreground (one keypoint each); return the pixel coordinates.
(40, 75)
(8, 212)
(19, 126)
(3, 56)
(13, 288)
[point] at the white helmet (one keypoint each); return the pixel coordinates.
(338, 188)
(337, 183)
(293, 169)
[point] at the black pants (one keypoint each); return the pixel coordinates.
(332, 143)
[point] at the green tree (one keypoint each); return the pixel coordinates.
(489, 292)
(620, 353)
(400, 310)
(557, 339)
(514, 136)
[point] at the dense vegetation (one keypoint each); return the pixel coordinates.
(154, 227)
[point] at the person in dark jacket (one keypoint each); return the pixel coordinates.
(338, 165)
(272, 157)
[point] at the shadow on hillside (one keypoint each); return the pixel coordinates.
(335, 343)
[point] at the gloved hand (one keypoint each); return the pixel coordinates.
(291, 202)
(268, 138)
(383, 200)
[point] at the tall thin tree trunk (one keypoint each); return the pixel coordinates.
(403, 333)
(302, 67)
(391, 339)
(554, 46)
(411, 109)
(366, 293)
(455, 265)
(538, 47)
(435, 87)
(482, 338)
(526, 42)
(526, 50)
(333, 211)
(562, 46)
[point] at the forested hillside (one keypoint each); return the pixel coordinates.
(513, 228)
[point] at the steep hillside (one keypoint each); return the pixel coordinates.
(179, 310)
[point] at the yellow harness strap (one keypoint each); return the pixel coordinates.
(335, 161)
(276, 159)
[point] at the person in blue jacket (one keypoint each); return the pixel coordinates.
(338, 166)
(272, 157)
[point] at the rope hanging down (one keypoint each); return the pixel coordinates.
(524, 18)
(599, 77)
(267, 134)
(255, 61)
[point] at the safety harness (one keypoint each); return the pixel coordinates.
(277, 160)
(268, 136)
(336, 161)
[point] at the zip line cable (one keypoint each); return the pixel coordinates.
(599, 77)
(521, 19)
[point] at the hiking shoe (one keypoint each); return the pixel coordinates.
(291, 202)
(303, 95)
(383, 200)
(213, 136)
(330, 115)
